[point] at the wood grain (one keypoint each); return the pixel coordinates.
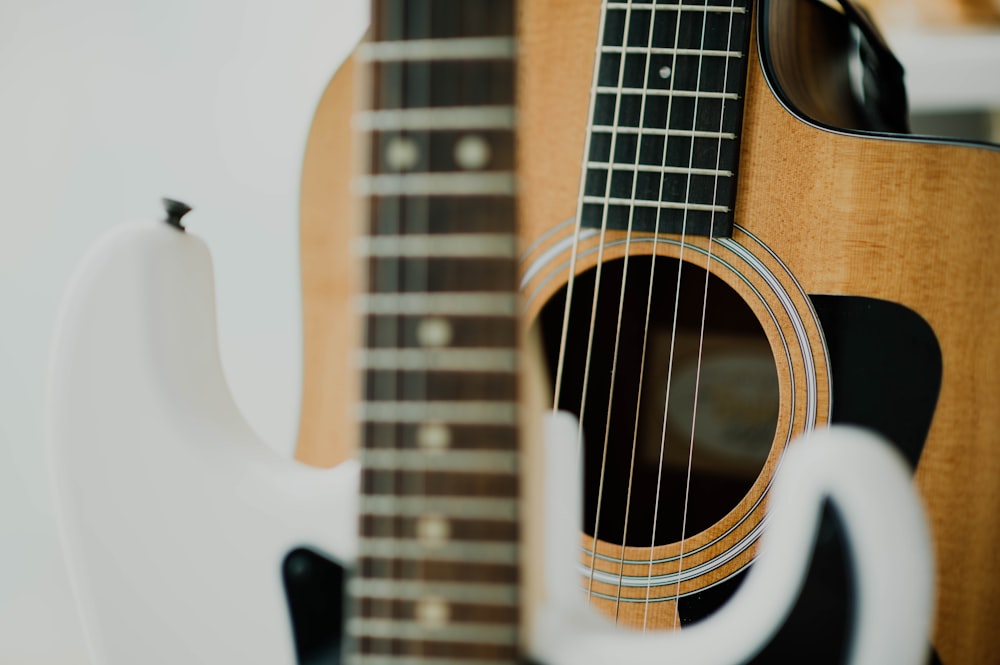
(330, 278)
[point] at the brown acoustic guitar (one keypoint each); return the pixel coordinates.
(720, 251)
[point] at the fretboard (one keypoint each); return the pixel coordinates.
(437, 578)
(666, 116)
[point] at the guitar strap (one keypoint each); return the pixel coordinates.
(883, 90)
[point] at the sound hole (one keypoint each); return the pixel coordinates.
(725, 441)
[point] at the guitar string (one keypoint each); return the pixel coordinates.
(618, 332)
(597, 279)
(574, 252)
(621, 307)
(704, 304)
(673, 331)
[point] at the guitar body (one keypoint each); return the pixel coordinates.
(840, 238)
(184, 532)
(895, 219)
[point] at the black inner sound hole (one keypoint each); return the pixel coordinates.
(737, 405)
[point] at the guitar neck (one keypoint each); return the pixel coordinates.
(438, 574)
(665, 119)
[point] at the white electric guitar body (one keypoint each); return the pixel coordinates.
(176, 517)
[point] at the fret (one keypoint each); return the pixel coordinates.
(442, 150)
(493, 575)
(434, 275)
(439, 387)
(452, 632)
(698, 113)
(458, 304)
(722, 9)
(440, 215)
(421, 484)
(697, 29)
(469, 508)
(685, 114)
(394, 20)
(651, 112)
(459, 412)
(439, 360)
(668, 93)
(480, 461)
(442, 551)
(452, 592)
(411, 659)
(650, 187)
(666, 205)
(696, 4)
(474, 48)
(444, 529)
(460, 653)
(437, 184)
(701, 53)
(726, 136)
(469, 117)
(461, 331)
(414, 651)
(480, 245)
(437, 610)
(715, 173)
(459, 436)
(652, 218)
(443, 83)
(691, 73)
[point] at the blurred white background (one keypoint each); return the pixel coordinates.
(106, 106)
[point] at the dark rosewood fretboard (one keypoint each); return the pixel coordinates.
(437, 578)
(666, 117)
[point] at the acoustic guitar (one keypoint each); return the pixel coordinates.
(722, 252)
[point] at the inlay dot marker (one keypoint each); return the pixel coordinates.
(433, 612)
(433, 530)
(434, 332)
(472, 152)
(433, 436)
(401, 153)
(665, 72)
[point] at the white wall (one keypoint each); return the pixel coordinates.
(105, 106)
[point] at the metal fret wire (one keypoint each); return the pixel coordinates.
(680, 7)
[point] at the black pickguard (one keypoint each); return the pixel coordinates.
(314, 590)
